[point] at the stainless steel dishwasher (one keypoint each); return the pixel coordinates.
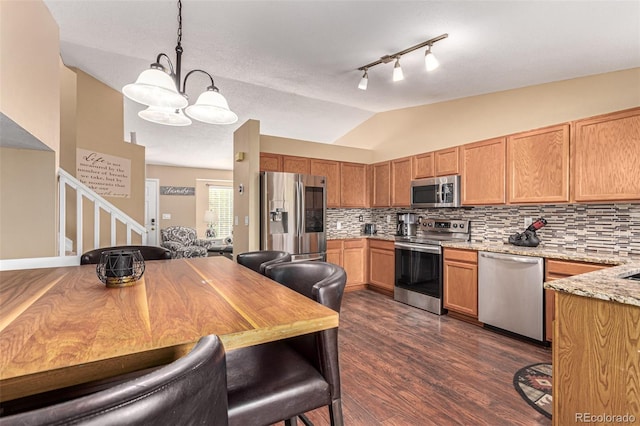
(510, 293)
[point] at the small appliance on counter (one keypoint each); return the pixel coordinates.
(407, 225)
(370, 229)
(528, 238)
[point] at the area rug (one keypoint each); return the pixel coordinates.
(533, 383)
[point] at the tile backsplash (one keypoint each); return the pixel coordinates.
(602, 228)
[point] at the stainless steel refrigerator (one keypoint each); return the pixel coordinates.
(293, 214)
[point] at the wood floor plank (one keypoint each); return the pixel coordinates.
(405, 366)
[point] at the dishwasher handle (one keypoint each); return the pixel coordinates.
(510, 258)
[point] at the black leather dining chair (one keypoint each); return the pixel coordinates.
(259, 260)
(189, 391)
(147, 252)
(282, 380)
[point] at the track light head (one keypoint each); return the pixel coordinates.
(364, 81)
(397, 70)
(430, 61)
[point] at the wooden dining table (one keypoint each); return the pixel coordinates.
(61, 326)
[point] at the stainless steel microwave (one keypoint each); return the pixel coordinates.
(441, 191)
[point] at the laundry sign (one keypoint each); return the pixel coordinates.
(107, 175)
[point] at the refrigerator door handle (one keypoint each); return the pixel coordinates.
(299, 208)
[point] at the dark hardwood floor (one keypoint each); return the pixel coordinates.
(404, 366)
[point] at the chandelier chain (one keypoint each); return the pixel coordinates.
(179, 22)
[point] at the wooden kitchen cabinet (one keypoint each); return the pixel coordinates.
(538, 166)
(334, 252)
(381, 184)
(382, 266)
(605, 157)
(331, 170)
(460, 270)
(292, 164)
(443, 162)
(555, 270)
(353, 185)
(401, 182)
(354, 258)
(351, 254)
(483, 172)
(270, 162)
(446, 161)
(423, 166)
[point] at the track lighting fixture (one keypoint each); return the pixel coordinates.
(364, 81)
(430, 61)
(165, 94)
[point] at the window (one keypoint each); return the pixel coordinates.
(221, 204)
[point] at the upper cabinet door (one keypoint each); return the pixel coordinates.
(296, 164)
(483, 171)
(353, 185)
(331, 170)
(423, 165)
(446, 161)
(381, 184)
(270, 162)
(538, 166)
(401, 182)
(606, 157)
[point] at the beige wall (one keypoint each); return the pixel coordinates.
(278, 145)
(27, 200)
(92, 119)
(426, 128)
(68, 121)
(29, 69)
(186, 210)
(246, 205)
(100, 127)
(30, 96)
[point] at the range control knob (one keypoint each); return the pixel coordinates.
(430, 224)
(461, 225)
(455, 225)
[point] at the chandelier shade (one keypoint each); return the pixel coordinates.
(211, 107)
(155, 87)
(165, 115)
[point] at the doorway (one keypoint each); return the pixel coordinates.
(151, 210)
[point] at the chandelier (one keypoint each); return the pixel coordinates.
(165, 95)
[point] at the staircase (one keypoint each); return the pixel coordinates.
(66, 254)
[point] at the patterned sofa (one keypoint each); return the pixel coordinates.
(184, 242)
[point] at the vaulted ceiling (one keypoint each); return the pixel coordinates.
(293, 64)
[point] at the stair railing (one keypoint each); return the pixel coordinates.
(99, 204)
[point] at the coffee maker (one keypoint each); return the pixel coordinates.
(406, 225)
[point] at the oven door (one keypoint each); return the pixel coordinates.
(418, 277)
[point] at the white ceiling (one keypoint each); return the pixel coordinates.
(292, 64)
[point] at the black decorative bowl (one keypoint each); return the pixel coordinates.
(120, 268)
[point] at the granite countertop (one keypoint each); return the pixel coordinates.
(385, 237)
(605, 284)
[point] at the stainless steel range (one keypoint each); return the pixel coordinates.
(418, 280)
